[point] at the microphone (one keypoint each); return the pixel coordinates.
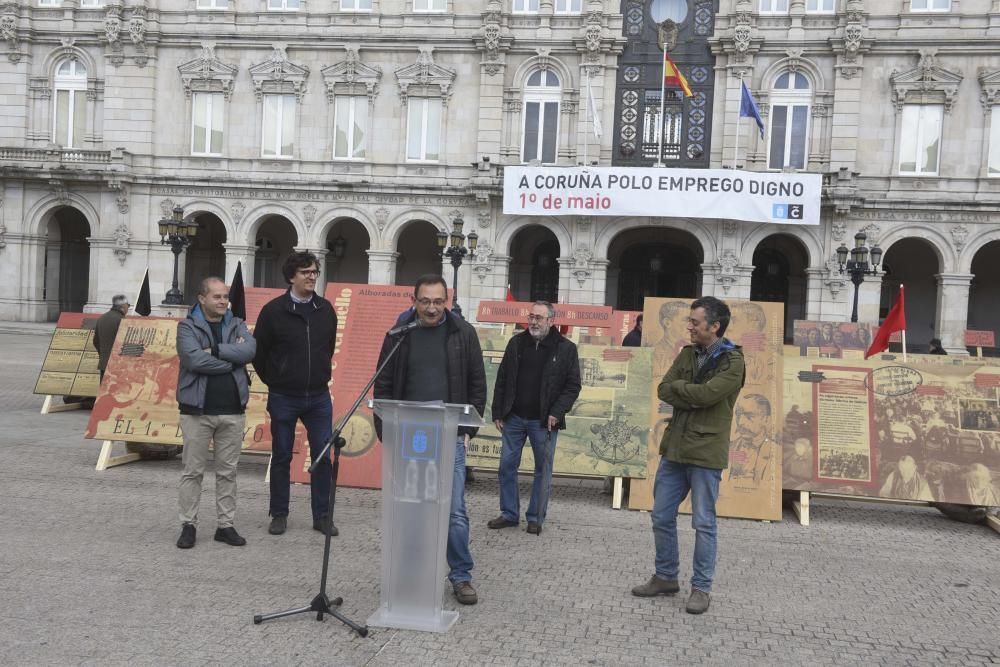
(405, 328)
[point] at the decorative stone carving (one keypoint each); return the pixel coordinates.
(122, 236)
(381, 217)
(8, 31)
(122, 200)
(872, 232)
(582, 256)
(207, 74)
(852, 41)
(989, 82)
(425, 76)
(741, 41)
(485, 218)
(113, 25)
(137, 25)
(278, 75)
(482, 270)
(592, 38)
(493, 40)
(853, 11)
(729, 227)
(582, 276)
(959, 234)
(309, 215)
(927, 83)
(3, 235)
(238, 209)
(544, 59)
(351, 76)
(838, 230)
(166, 206)
(58, 189)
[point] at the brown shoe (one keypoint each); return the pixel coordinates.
(500, 522)
(534, 528)
(464, 592)
(656, 586)
(698, 602)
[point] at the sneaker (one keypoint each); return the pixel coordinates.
(500, 522)
(656, 586)
(186, 540)
(229, 536)
(534, 528)
(698, 602)
(278, 525)
(320, 525)
(464, 592)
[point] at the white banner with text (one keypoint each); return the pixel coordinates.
(750, 196)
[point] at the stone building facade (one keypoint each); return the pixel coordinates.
(360, 129)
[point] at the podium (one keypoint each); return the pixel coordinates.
(418, 461)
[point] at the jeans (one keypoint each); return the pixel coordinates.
(673, 481)
(316, 413)
(515, 431)
(459, 554)
(225, 432)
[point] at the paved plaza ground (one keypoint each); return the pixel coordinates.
(89, 573)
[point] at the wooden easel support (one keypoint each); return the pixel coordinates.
(48, 407)
(801, 508)
(616, 495)
(106, 460)
(993, 522)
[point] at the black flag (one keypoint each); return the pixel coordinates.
(237, 297)
(143, 304)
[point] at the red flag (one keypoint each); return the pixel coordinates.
(894, 321)
(672, 76)
(510, 294)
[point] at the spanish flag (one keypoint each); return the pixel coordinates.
(673, 77)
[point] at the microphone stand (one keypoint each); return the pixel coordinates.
(322, 604)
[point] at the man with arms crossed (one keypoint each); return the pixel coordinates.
(440, 361)
(702, 386)
(295, 335)
(214, 347)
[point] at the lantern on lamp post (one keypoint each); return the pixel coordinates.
(177, 234)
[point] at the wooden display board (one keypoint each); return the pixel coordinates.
(927, 429)
(606, 431)
(70, 365)
(751, 485)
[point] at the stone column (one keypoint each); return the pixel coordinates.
(869, 299)
(952, 315)
(815, 284)
(236, 254)
(382, 267)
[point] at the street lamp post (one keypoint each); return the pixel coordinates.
(456, 251)
(857, 266)
(177, 234)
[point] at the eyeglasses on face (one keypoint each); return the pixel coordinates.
(426, 303)
(537, 318)
(310, 273)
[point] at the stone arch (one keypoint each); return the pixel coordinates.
(331, 215)
(977, 243)
(616, 226)
(555, 225)
(57, 55)
(934, 238)
(39, 213)
(808, 236)
(529, 65)
(789, 64)
(395, 227)
(198, 206)
(248, 232)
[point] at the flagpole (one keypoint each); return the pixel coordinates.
(586, 135)
(736, 150)
(902, 295)
(663, 100)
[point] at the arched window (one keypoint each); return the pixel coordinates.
(789, 118)
(70, 100)
(542, 93)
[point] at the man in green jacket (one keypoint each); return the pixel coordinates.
(702, 386)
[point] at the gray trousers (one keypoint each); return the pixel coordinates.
(226, 432)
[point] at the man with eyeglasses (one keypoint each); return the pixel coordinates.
(295, 335)
(537, 384)
(440, 360)
(702, 385)
(754, 457)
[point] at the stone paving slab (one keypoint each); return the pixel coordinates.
(90, 575)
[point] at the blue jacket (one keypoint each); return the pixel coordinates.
(194, 337)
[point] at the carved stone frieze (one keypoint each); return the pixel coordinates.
(278, 75)
(309, 215)
(122, 235)
(8, 31)
(425, 76)
(381, 217)
(959, 234)
(238, 209)
(207, 73)
(122, 199)
(351, 76)
(927, 83)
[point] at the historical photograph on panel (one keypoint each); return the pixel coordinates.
(751, 484)
(833, 340)
(608, 427)
(927, 429)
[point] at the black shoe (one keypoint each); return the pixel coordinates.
(229, 536)
(186, 540)
(534, 528)
(465, 593)
(470, 477)
(656, 586)
(320, 524)
(500, 522)
(278, 525)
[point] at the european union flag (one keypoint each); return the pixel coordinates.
(748, 108)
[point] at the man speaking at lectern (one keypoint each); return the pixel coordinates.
(440, 360)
